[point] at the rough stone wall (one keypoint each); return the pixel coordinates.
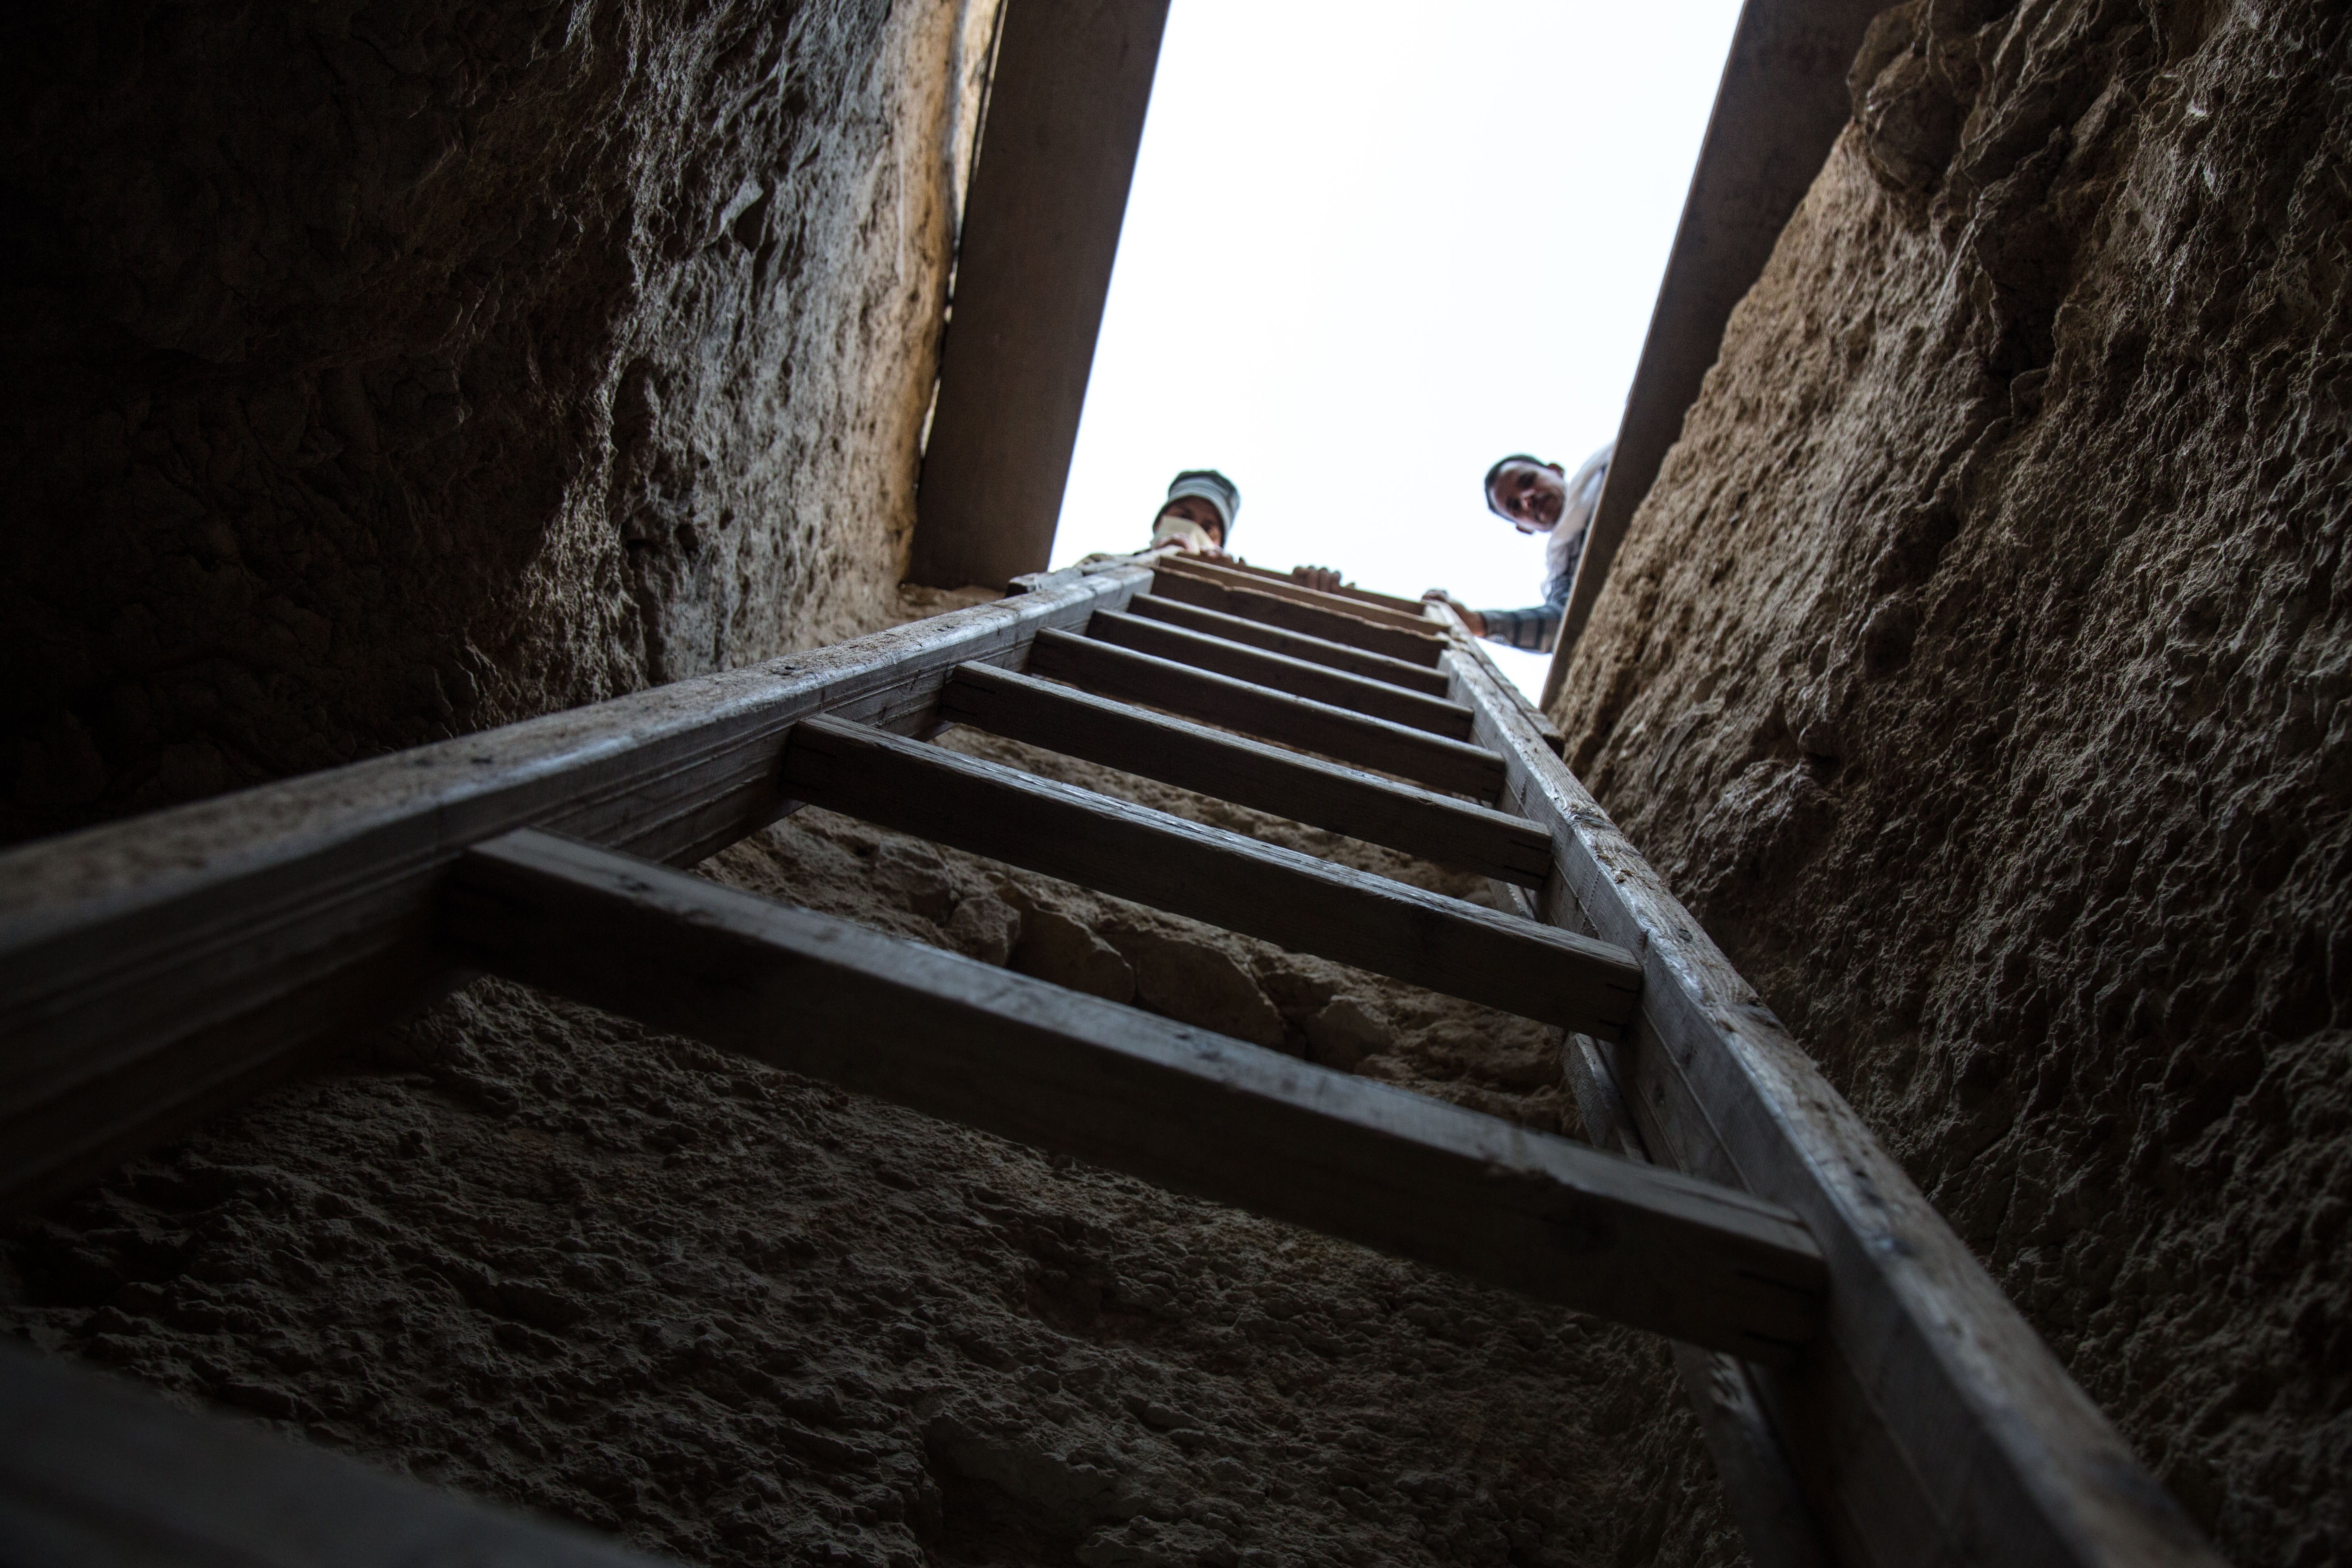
(533, 1252)
(371, 373)
(1976, 670)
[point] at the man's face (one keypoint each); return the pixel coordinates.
(1198, 509)
(1530, 494)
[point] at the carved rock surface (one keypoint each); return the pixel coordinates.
(1199, 982)
(1064, 951)
(372, 372)
(1343, 1031)
(1977, 670)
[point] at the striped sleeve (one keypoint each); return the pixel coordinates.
(1537, 627)
(1534, 628)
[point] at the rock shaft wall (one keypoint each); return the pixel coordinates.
(1976, 670)
(374, 372)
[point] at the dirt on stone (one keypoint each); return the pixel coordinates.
(538, 1254)
(1978, 670)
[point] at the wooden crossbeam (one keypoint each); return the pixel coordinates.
(1297, 676)
(94, 1472)
(956, 1038)
(1297, 644)
(1068, 84)
(1280, 587)
(1336, 732)
(1227, 767)
(154, 970)
(1185, 868)
(1252, 603)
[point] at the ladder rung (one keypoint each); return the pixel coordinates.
(1413, 648)
(1190, 756)
(1354, 738)
(1236, 1124)
(1297, 644)
(1297, 676)
(1344, 591)
(1297, 592)
(1224, 878)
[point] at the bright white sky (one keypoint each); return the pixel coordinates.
(1372, 248)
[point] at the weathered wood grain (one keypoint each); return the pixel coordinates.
(1298, 677)
(1357, 739)
(97, 1474)
(156, 970)
(1189, 589)
(1297, 644)
(1930, 1425)
(1229, 880)
(956, 1038)
(1265, 778)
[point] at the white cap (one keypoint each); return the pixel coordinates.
(1212, 487)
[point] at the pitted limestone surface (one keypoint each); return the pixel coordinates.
(1976, 670)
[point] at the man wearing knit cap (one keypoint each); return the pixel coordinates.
(1542, 498)
(1198, 515)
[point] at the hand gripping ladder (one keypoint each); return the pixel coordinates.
(1867, 1392)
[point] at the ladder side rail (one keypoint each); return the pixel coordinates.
(1760, 1482)
(1930, 1425)
(1468, 670)
(1300, 677)
(1297, 644)
(1210, 593)
(1248, 773)
(157, 970)
(1227, 880)
(1357, 740)
(955, 1037)
(93, 1470)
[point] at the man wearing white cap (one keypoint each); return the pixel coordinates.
(1198, 515)
(1198, 518)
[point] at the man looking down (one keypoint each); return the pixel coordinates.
(1537, 496)
(1198, 515)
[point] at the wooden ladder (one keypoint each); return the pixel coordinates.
(1867, 1394)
